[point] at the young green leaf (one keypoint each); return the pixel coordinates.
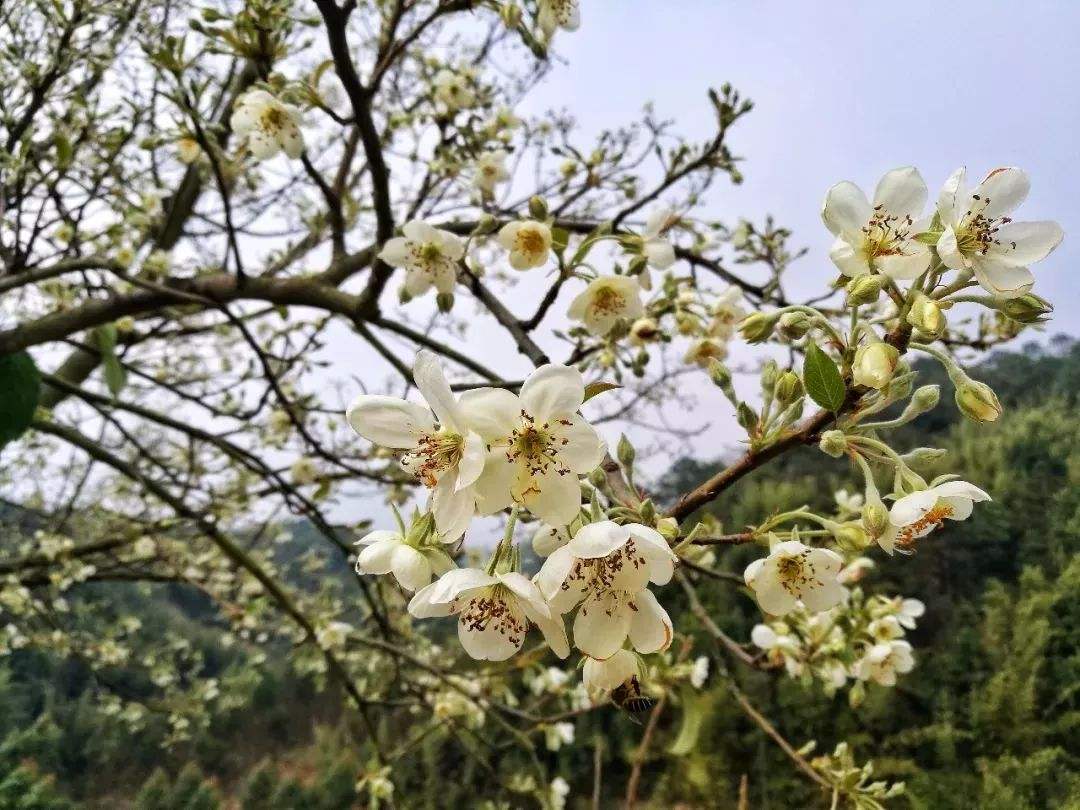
(822, 379)
(21, 386)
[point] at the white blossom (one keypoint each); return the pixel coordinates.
(917, 514)
(883, 662)
(529, 243)
(603, 675)
(443, 450)
(699, 673)
(389, 552)
(454, 90)
(980, 236)
(538, 444)
(555, 14)
(267, 126)
(879, 237)
(494, 611)
(490, 170)
(547, 538)
(794, 573)
(429, 255)
(605, 301)
(606, 569)
(557, 735)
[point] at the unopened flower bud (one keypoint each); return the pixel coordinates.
(875, 519)
(625, 451)
(833, 443)
(757, 327)
(444, 301)
(977, 401)
(668, 528)
(788, 388)
(746, 417)
(538, 208)
(851, 537)
(598, 478)
(647, 511)
(926, 316)
(794, 325)
(874, 364)
(644, 330)
(487, 224)
(863, 290)
(921, 456)
(926, 397)
(719, 373)
(1028, 308)
(770, 373)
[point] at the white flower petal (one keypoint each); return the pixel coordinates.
(378, 557)
(494, 413)
(598, 539)
(411, 568)
(953, 199)
(453, 507)
(584, 449)
(1000, 279)
(429, 378)
(552, 497)
(1023, 243)
(553, 391)
(849, 261)
(553, 572)
(601, 626)
(846, 211)
(650, 625)
(1003, 191)
(389, 421)
(902, 192)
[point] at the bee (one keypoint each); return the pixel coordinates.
(628, 697)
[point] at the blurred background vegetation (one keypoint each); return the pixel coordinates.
(988, 719)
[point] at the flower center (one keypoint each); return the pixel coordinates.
(607, 301)
(796, 573)
(536, 447)
(599, 574)
(273, 119)
(495, 608)
(924, 525)
(434, 454)
(530, 241)
(886, 234)
(977, 232)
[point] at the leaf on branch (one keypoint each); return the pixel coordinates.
(599, 387)
(21, 386)
(822, 379)
(115, 374)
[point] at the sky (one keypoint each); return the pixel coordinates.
(842, 91)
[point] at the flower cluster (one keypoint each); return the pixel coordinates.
(860, 639)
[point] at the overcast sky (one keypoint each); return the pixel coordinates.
(843, 90)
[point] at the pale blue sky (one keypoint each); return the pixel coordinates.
(847, 90)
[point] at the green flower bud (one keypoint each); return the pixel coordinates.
(625, 451)
(719, 373)
(921, 456)
(647, 511)
(1028, 308)
(538, 208)
(487, 224)
(875, 519)
(977, 401)
(757, 327)
(746, 417)
(874, 364)
(926, 316)
(863, 290)
(668, 528)
(444, 301)
(851, 537)
(794, 325)
(598, 478)
(770, 373)
(833, 443)
(788, 388)
(926, 397)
